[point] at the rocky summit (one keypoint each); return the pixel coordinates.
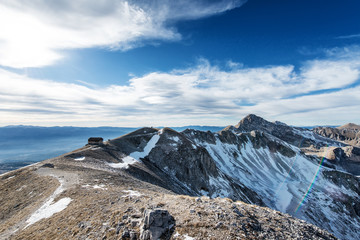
(255, 180)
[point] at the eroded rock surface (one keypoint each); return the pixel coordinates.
(157, 224)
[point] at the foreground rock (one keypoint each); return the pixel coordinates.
(157, 224)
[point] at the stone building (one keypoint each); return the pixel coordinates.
(95, 141)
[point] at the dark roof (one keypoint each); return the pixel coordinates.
(95, 139)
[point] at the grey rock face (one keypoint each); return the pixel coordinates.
(277, 129)
(349, 133)
(180, 157)
(157, 224)
(295, 136)
(345, 159)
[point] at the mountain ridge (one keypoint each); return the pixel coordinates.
(258, 166)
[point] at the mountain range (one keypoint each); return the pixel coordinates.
(24, 145)
(254, 180)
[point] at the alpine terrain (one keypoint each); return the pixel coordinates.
(254, 180)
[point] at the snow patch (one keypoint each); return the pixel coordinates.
(147, 149)
(101, 186)
(176, 138)
(95, 148)
(283, 199)
(125, 164)
(79, 159)
(49, 208)
(187, 237)
(135, 156)
(131, 193)
(21, 188)
(305, 133)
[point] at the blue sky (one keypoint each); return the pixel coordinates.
(175, 63)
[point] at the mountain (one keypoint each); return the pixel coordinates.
(347, 157)
(254, 180)
(24, 145)
(348, 133)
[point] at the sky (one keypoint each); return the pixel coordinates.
(175, 63)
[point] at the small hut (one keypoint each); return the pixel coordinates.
(95, 141)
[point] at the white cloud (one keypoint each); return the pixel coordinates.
(323, 91)
(349, 36)
(34, 33)
(234, 65)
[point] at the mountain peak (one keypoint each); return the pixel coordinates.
(350, 126)
(251, 119)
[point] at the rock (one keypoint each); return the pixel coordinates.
(136, 215)
(84, 224)
(219, 224)
(134, 223)
(236, 210)
(133, 235)
(348, 133)
(157, 224)
(126, 234)
(48, 165)
(119, 227)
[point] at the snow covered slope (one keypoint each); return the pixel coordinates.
(298, 185)
(256, 167)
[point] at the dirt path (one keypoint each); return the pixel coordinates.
(48, 207)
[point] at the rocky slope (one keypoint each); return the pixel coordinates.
(348, 133)
(111, 191)
(346, 158)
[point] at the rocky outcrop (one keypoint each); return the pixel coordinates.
(296, 136)
(344, 158)
(186, 167)
(348, 133)
(157, 224)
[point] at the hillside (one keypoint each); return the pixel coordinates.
(110, 204)
(254, 180)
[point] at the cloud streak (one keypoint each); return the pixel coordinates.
(203, 94)
(349, 36)
(35, 33)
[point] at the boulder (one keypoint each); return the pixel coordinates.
(157, 224)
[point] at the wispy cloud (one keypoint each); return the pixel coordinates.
(34, 33)
(203, 94)
(349, 36)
